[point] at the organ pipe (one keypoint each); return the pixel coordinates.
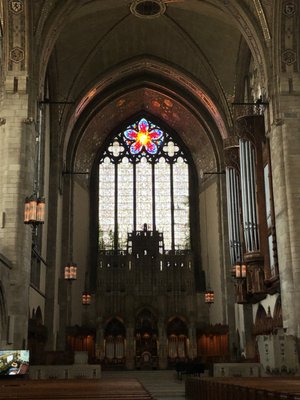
(233, 207)
(248, 189)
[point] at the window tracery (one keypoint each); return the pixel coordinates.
(143, 179)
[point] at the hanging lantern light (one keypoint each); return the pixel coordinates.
(73, 271)
(70, 272)
(67, 272)
(34, 210)
(209, 296)
(233, 269)
(26, 211)
(40, 212)
(86, 296)
(86, 299)
(240, 271)
(244, 271)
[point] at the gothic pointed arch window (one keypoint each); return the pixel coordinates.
(144, 180)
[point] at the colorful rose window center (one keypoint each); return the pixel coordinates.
(143, 138)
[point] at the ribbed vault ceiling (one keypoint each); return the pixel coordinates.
(95, 39)
(196, 36)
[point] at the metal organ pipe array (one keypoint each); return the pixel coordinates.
(248, 190)
(233, 210)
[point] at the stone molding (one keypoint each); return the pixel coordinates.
(289, 37)
(262, 20)
(16, 36)
(249, 31)
(289, 8)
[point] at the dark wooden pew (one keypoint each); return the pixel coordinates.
(189, 368)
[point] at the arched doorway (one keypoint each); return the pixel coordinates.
(177, 333)
(37, 336)
(146, 334)
(114, 343)
(263, 322)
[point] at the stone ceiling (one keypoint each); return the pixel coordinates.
(89, 40)
(172, 114)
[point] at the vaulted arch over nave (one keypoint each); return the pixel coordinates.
(218, 81)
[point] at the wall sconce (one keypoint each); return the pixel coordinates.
(209, 296)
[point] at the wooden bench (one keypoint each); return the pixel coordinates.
(189, 368)
(278, 388)
(82, 389)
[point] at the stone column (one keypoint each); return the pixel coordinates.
(99, 345)
(17, 140)
(285, 150)
(163, 346)
(17, 146)
(130, 347)
(192, 352)
(57, 319)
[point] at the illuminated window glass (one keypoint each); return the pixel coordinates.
(143, 179)
(125, 203)
(163, 201)
(106, 204)
(144, 194)
(181, 205)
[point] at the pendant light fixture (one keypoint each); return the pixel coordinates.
(34, 207)
(34, 210)
(86, 297)
(240, 271)
(70, 269)
(209, 295)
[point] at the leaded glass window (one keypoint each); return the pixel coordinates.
(144, 179)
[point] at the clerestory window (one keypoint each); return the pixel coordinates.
(144, 179)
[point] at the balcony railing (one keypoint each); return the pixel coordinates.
(248, 109)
